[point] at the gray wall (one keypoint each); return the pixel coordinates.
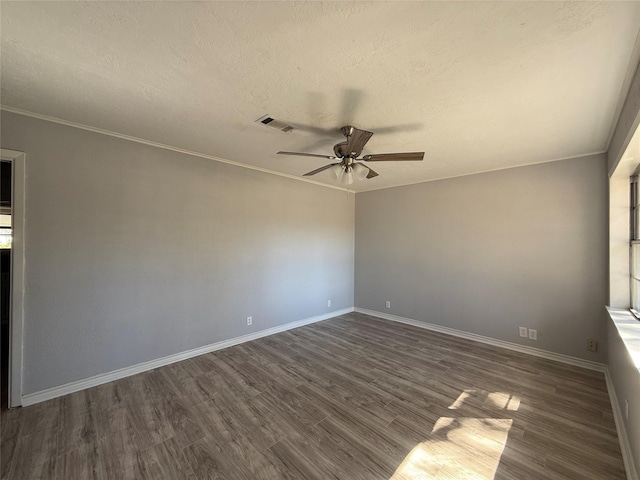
(135, 253)
(491, 252)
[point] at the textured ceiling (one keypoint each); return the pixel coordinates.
(478, 86)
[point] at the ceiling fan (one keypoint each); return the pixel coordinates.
(348, 153)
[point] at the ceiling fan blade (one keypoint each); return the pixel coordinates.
(357, 140)
(299, 154)
(406, 127)
(351, 102)
(372, 173)
(327, 132)
(394, 157)
(321, 169)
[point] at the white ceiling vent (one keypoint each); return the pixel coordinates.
(269, 121)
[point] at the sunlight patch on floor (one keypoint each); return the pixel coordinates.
(503, 401)
(461, 399)
(458, 449)
(497, 400)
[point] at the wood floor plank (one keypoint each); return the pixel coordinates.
(304, 462)
(149, 423)
(76, 424)
(356, 449)
(350, 460)
(353, 397)
(183, 421)
(579, 468)
(237, 421)
(80, 463)
(10, 427)
(106, 396)
(257, 378)
(216, 458)
(165, 460)
(299, 416)
(37, 446)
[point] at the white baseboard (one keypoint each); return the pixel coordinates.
(558, 357)
(625, 446)
(78, 385)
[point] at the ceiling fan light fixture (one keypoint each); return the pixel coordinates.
(360, 171)
(348, 175)
(337, 171)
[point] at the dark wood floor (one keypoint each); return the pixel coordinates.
(349, 398)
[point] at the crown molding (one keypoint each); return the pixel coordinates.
(150, 143)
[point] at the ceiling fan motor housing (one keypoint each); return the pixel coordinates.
(340, 149)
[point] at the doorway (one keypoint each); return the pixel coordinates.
(6, 180)
(12, 196)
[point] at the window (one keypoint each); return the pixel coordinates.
(5, 231)
(634, 255)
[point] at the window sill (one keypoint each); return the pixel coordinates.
(629, 329)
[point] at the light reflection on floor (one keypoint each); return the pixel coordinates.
(462, 448)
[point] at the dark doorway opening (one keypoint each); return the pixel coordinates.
(5, 277)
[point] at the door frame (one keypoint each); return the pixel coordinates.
(16, 318)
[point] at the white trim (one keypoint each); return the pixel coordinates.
(536, 352)
(76, 386)
(628, 327)
(81, 126)
(16, 323)
(625, 446)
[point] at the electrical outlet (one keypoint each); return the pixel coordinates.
(328, 303)
(523, 331)
(387, 304)
(592, 345)
(533, 334)
(626, 409)
(249, 321)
